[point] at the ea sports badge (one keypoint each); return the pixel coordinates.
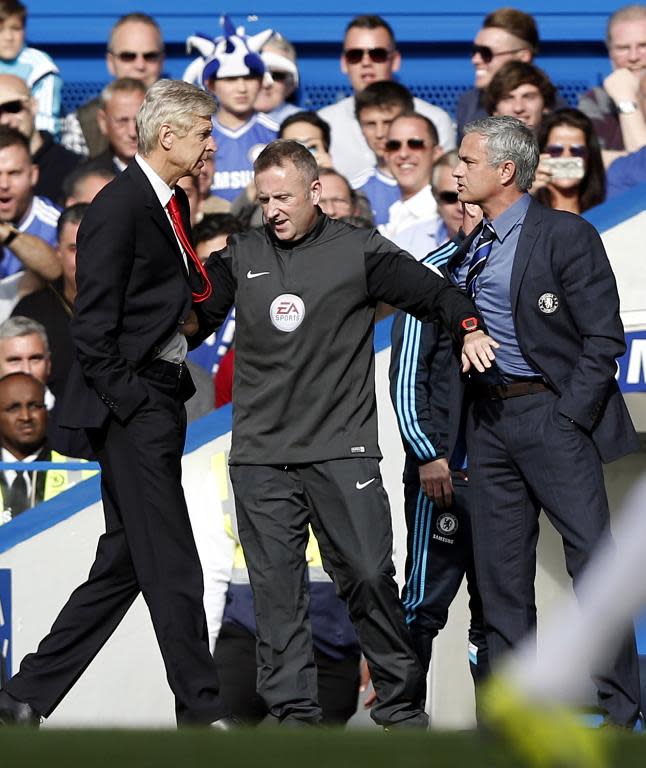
(548, 303)
(287, 312)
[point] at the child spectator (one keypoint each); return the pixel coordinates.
(375, 108)
(35, 67)
(233, 72)
(520, 90)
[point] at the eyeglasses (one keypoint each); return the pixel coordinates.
(280, 77)
(576, 150)
(150, 57)
(394, 145)
(12, 107)
(487, 55)
(376, 55)
(446, 197)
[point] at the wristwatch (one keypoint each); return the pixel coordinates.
(13, 234)
(626, 107)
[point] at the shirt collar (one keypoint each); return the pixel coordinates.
(507, 220)
(160, 188)
(8, 457)
(421, 202)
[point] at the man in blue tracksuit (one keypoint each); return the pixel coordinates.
(436, 490)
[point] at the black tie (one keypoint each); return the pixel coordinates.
(479, 258)
(18, 499)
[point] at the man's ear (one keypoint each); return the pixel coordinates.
(507, 171)
(102, 121)
(35, 173)
(396, 61)
(315, 191)
(166, 136)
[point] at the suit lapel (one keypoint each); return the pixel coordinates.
(157, 213)
(526, 243)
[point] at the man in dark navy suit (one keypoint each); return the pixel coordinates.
(136, 276)
(542, 420)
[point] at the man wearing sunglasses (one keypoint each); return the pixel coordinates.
(369, 55)
(506, 34)
(18, 110)
(136, 50)
(411, 149)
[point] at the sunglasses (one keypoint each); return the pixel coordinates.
(376, 55)
(487, 55)
(12, 107)
(280, 77)
(576, 150)
(394, 145)
(129, 56)
(448, 198)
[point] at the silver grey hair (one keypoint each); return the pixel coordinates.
(121, 85)
(509, 139)
(171, 102)
(23, 326)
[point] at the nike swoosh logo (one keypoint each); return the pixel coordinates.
(360, 486)
(251, 275)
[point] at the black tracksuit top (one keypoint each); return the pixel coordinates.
(304, 374)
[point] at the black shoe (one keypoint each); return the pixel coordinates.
(226, 724)
(14, 712)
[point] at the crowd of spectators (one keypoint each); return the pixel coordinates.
(385, 158)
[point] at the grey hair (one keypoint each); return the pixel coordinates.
(121, 85)
(171, 102)
(635, 12)
(23, 326)
(509, 139)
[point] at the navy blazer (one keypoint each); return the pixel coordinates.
(133, 293)
(565, 307)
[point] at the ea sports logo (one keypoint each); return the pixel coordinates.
(287, 312)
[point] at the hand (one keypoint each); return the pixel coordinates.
(477, 350)
(191, 325)
(471, 217)
(435, 479)
(543, 174)
(622, 85)
(364, 684)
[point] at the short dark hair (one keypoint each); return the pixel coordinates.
(370, 21)
(430, 125)
(73, 214)
(214, 224)
(13, 8)
(282, 151)
(79, 174)
(313, 119)
(514, 74)
(385, 93)
(11, 137)
(519, 24)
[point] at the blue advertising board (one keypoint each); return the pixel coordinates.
(5, 622)
(631, 373)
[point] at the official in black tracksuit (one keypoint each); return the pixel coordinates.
(439, 550)
(304, 447)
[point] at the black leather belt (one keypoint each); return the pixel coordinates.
(512, 389)
(162, 370)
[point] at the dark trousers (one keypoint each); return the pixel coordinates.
(235, 660)
(148, 546)
(439, 553)
(524, 456)
(346, 504)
